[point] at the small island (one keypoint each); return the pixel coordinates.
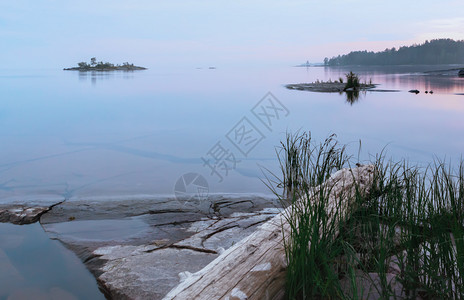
(329, 87)
(352, 84)
(103, 66)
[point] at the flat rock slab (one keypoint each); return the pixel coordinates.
(118, 230)
(140, 249)
(132, 273)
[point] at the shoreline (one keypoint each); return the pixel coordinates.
(329, 87)
(137, 248)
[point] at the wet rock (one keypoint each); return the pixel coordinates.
(117, 230)
(137, 248)
(132, 272)
(26, 211)
(20, 215)
(151, 270)
(164, 208)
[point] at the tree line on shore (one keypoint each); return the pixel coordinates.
(438, 51)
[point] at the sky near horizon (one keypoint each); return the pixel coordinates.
(56, 34)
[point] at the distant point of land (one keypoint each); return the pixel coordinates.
(307, 64)
(434, 52)
(328, 87)
(352, 84)
(103, 66)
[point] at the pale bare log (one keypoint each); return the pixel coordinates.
(255, 267)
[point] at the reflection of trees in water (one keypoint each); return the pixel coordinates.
(95, 76)
(352, 96)
(405, 77)
(444, 84)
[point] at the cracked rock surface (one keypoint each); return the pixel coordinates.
(22, 214)
(141, 249)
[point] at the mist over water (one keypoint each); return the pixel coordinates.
(121, 134)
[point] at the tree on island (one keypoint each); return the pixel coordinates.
(104, 66)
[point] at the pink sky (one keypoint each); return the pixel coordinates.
(155, 33)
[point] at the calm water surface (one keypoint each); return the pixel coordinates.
(123, 135)
(34, 267)
(82, 135)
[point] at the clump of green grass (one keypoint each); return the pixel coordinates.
(417, 217)
(310, 257)
(412, 216)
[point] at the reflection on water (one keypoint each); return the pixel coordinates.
(98, 135)
(422, 78)
(62, 136)
(352, 96)
(425, 79)
(34, 267)
(95, 76)
(440, 84)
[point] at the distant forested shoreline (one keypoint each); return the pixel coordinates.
(439, 51)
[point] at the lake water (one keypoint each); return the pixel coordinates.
(89, 135)
(71, 135)
(34, 267)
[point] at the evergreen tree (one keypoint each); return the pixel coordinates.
(439, 51)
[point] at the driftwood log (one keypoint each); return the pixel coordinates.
(255, 267)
